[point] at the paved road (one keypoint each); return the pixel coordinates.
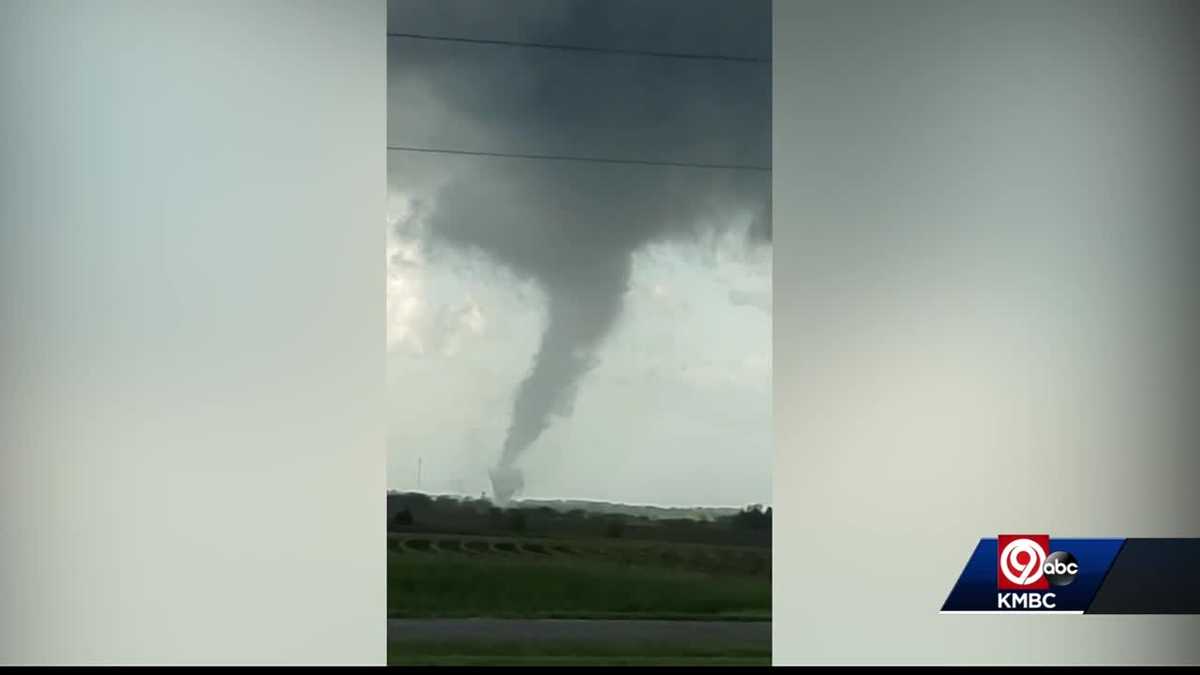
(615, 631)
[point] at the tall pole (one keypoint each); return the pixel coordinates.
(418, 473)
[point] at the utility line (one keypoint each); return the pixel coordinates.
(581, 48)
(573, 158)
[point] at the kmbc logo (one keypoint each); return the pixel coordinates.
(1025, 563)
(1032, 573)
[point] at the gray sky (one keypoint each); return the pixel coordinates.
(604, 328)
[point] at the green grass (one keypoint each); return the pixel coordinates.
(431, 575)
(562, 654)
(426, 584)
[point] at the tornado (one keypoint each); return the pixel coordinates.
(580, 312)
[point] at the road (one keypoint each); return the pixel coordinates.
(576, 631)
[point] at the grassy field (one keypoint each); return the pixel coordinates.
(505, 654)
(529, 577)
(454, 576)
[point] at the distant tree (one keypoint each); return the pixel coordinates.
(496, 519)
(614, 529)
(753, 517)
(516, 521)
(400, 519)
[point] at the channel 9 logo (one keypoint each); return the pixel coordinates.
(1025, 563)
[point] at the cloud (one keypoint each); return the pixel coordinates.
(757, 299)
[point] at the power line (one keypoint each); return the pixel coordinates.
(573, 158)
(581, 48)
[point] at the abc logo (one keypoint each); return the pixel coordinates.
(1060, 568)
(1026, 563)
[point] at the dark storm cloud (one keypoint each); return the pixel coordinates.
(513, 99)
(739, 28)
(573, 226)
